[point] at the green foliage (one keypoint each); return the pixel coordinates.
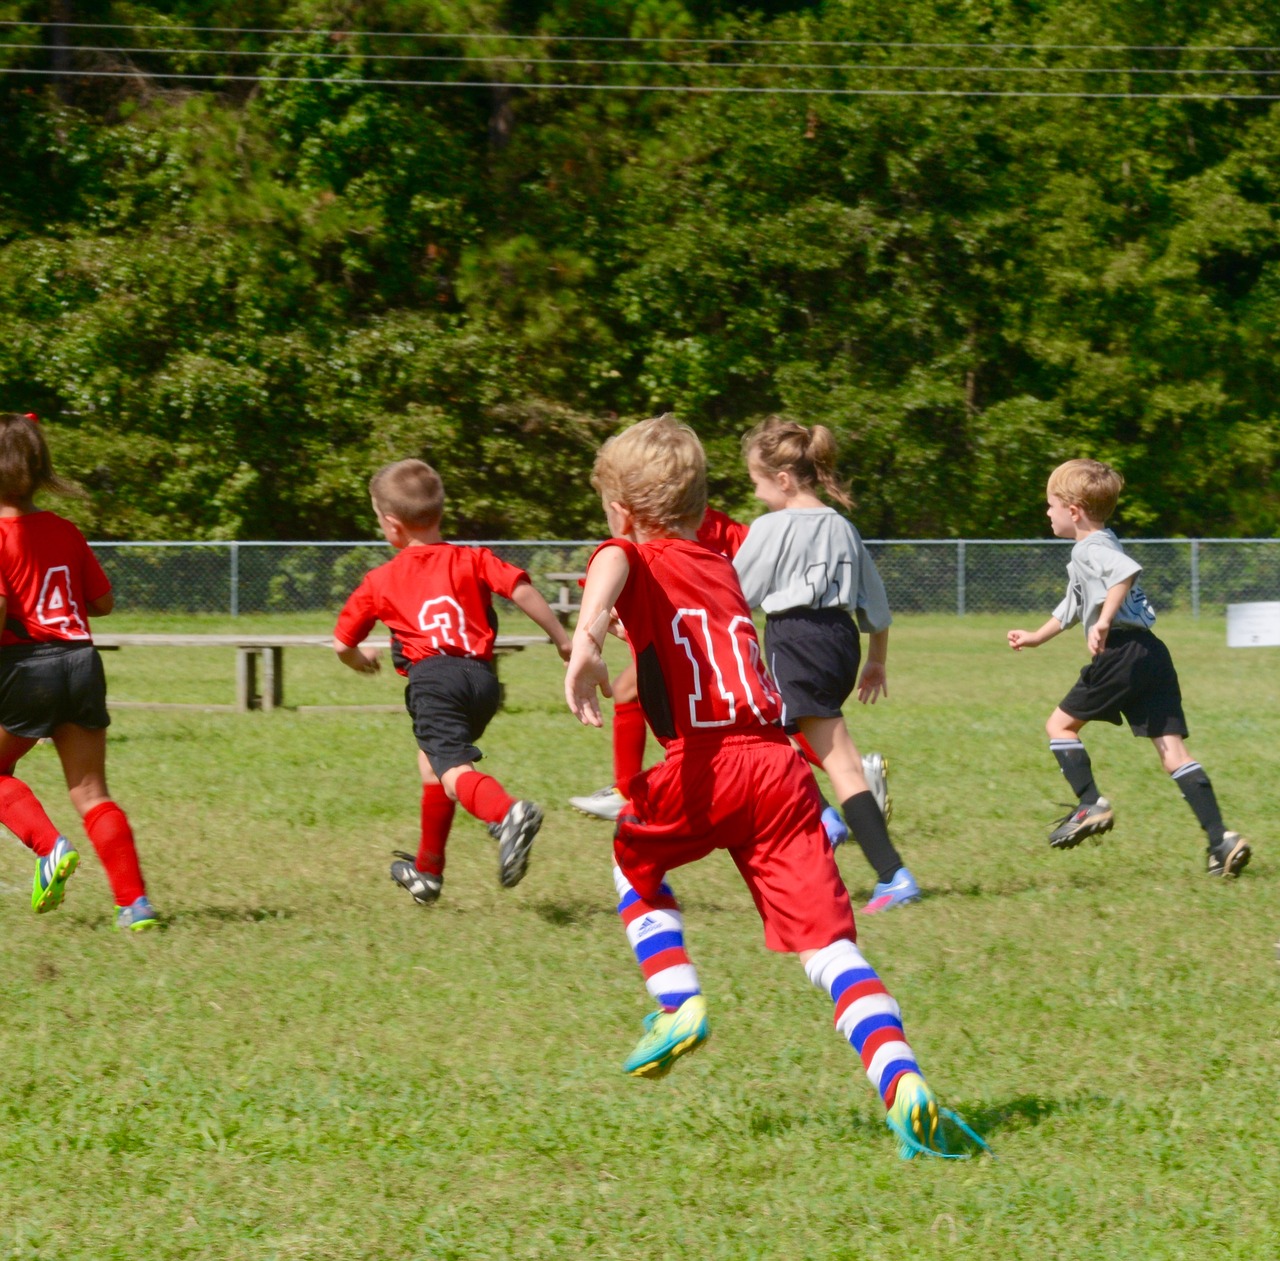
(234, 304)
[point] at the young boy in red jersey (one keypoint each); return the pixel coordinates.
(731, 779)
(436, 600)
(51, 679)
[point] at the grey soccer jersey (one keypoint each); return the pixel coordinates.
(1097, 564)
(811, 558)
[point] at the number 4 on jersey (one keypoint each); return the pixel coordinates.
(57, 607)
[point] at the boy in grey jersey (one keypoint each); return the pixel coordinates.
(1131, 675)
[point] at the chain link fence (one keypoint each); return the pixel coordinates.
(922, 575)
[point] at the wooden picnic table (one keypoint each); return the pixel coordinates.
(568, 596)
(265, 689)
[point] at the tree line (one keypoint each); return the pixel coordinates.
(232, 295)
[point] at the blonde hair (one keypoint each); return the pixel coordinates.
(778, 445)
(410, 491)
(1089, 484)
(658, 470)
(25, 464)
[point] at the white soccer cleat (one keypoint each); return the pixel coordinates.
(604, 804)
(875, 770)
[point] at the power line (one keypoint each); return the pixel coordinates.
(699, 89)
(874, 67)
(652, 39)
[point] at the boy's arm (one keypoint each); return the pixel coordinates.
(874, 681)
(101, 606)
(360, 657)
(587, 670)
(1020, 639)
(530, 601)
(1110, 607)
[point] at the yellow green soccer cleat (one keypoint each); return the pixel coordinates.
(918, 1122)
(667, 1036)
(52, 873)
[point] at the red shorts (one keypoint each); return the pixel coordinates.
(754, 796)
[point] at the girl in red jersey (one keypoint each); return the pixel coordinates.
(51, 679)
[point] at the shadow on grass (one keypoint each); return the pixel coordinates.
(1025, 1112)
(225, 915)
(570, 914)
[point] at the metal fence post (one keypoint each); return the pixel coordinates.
(235, 579)
(1195, 577)
(960, 577)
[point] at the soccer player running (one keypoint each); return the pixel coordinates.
(436, 599)
(731, 779)
(52, 682)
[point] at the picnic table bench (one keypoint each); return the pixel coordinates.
(568, 596)
(260, 658)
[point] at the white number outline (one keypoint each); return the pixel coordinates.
(444, 624)
(700, 617)
(71, 616)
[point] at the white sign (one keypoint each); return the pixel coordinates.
(1254, 625)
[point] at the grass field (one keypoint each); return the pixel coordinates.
(305, 1065)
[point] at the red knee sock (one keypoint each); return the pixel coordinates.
(807, 749)
(24, 816)
(482, 796)
(112, 837)
(628, 743)
(437, 818)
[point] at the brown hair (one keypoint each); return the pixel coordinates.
(1089, 484)
(25, 464)
(658, 470)
(410, 491)
(778, 445)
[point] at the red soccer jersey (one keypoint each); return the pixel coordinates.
(721, 533)
(434, 599)
(48, 576)
(697, 655)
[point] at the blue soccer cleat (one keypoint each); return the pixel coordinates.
(919, 1123)
(137, 917)
(896, 892)
(667, 1036)
(52, 873)
(837, 829)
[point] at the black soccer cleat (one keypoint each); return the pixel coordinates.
(1090, 820)
(515, 838)
(1230, 857)
(424, 886)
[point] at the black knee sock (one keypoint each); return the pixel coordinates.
(1198, 791)
(1073, 757)
(867, 824)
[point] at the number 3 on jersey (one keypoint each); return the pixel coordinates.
(443, 619)
(57, 607)
(715, 697)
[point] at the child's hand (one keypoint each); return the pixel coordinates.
(587, 673)
(1020, 639)
(1097, 638)
(372, 660)
(565, 650)
(874, 683)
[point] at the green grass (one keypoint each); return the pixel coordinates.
(304, 1065)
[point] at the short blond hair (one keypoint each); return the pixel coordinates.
(409, 490)
(1090, 485)
(658, 470)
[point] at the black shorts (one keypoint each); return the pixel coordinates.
(452, 700)
(813, 655)
(1131, 678)
(44, 685)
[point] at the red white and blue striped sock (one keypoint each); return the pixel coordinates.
(655, 931)
(866, 1014)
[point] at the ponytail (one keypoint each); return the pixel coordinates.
(779, 445)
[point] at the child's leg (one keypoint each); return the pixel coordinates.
(866, 1016)
(1229, 852)
(655, 932)
(436, 819)
(629, 729)
(84, 754)
(20, 811)
(1067, 747)
(513, 824)
(830, 740)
